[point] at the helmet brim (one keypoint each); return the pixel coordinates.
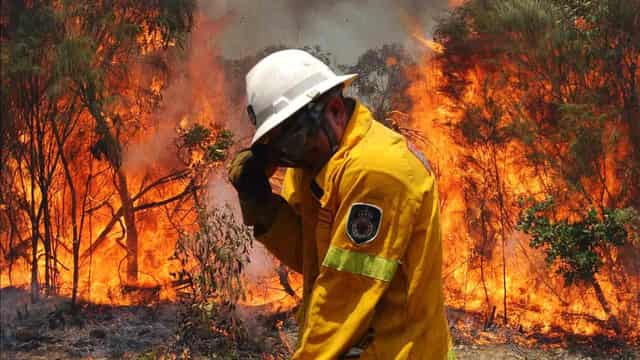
(276, 119)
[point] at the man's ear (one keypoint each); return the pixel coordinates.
(335, 110)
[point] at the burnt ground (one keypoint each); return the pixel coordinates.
(48, 330)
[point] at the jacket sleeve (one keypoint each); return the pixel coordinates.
(353, 277)
(284, 237)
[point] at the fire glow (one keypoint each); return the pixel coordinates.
(535, 298)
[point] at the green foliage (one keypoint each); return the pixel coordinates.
(201, 138)
(79, 54)
(583, 131)
(27, 42)
(211, 263)
(195, 136)
(218, 150)
(575, 247)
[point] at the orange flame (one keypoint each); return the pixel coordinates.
(430, 44)
(536, 297)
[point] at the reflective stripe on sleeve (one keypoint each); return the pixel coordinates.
(361, 264)
(451, 355)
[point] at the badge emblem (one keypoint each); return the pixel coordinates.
(363, 224)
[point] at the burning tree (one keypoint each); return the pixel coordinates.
(572, 88)
(543, 101)
(80, 84)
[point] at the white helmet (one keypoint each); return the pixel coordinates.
(284, 82)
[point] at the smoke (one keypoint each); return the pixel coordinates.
(239, 28)
(344, 28)
(196, 90)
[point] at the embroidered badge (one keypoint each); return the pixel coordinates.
(363, 224)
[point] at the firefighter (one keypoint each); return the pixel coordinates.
(357, 215)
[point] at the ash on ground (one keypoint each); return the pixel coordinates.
(49, 330)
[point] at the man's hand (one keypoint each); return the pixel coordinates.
(248, 174)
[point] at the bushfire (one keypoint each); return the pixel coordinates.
(119, 199)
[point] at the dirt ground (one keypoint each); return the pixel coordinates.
(48, 331)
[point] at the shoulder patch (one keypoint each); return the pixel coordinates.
(364, 222)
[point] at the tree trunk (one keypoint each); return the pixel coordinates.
(13, 233)
(46, 241)
(111, 148)
(76, 247)
(485, 239)
(75, 234)
(35, 235)
(130, 223)
(35, 289)
(503, 235)
(613, 321)
(504, 281)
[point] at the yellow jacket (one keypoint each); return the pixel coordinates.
(365, 235)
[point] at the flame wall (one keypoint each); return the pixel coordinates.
(536, 298)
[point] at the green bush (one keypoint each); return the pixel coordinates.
(210, 281)
(575, 246)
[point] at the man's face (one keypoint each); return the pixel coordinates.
(292, 144)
